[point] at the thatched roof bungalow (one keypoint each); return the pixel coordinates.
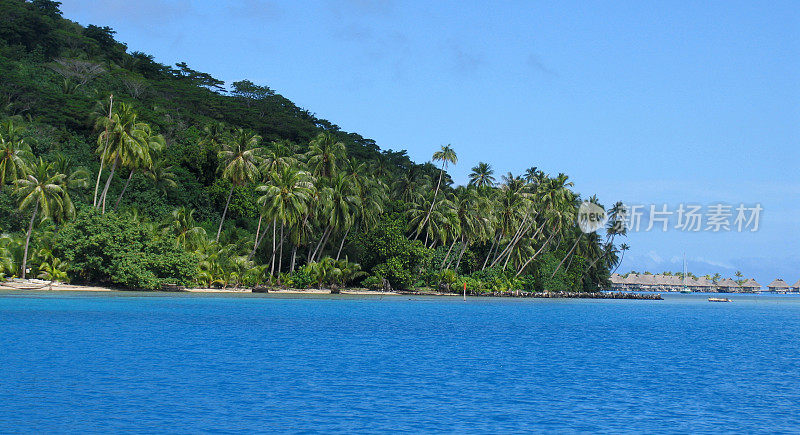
(796, 286)
(703, 284)
(751, 286)
(778, 285)
(728, 285)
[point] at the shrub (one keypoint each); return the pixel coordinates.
(299, 279)
(116, 250)
(385, 251)
(373, 282)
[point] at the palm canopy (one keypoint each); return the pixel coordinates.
(14, 153)
(41, 188)
(482, 175)
(181, 225)
(445, 155)
(325, 154)
(287, 194)
(241, 157)
(74, 178)
(278, 155)
(124, 139)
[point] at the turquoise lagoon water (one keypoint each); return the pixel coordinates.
(189, 363)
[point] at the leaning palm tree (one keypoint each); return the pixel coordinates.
(482, 175)
(14, 153)
(123, 141)
(623, 247)
(239, 162)
(445, 155)
(42, 190)
(143, 160)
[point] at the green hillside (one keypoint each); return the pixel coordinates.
(119, 170)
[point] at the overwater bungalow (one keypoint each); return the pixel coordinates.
(728, 285)
(778, 286)
(796, 286)
(703, 284)
(750, 286)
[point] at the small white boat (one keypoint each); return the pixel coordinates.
(719, 300)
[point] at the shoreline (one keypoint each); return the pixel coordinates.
(40, 285)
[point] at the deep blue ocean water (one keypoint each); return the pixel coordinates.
(189, 363)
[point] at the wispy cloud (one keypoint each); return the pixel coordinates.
(535, 63)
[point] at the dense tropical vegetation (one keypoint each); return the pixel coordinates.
(119, 170)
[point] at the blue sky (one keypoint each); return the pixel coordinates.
(645, 102)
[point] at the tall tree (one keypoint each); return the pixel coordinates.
(286, 196)
(482, 175)
(14, 153)
(446, 155)
(123, 141)
(143, 159)
(325, 154)
(239, 161)
(40, 189)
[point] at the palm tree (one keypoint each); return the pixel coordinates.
(42, 190)
(239, 162)
(53, 270)
(278, 155)
(623, 247)
(162, 176)
(102, 121)
(558, 210)
(124, 140)
(14, 153)
(324, 154)
(287, 193)
(74, 178)
(143, 159)
(482, 175)
(181, 225)
(342, 208)
(445, 155)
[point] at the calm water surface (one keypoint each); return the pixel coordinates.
(188, 363)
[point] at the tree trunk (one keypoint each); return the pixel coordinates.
(620, 262)
(108, 184)
(123, 190)
(280, 258)
(28, 240)
(274, 236)
(536, 254)
(512, 243)
(99, 173)
(341, 245)
(463, 250)
(258, 232)
(489, 255)
(224, 212)
(319, 244)
(433, 202)
(568, 254)
(324, 243)
(294, 255)
(259, 237)
(444, 261)
(103, 155)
